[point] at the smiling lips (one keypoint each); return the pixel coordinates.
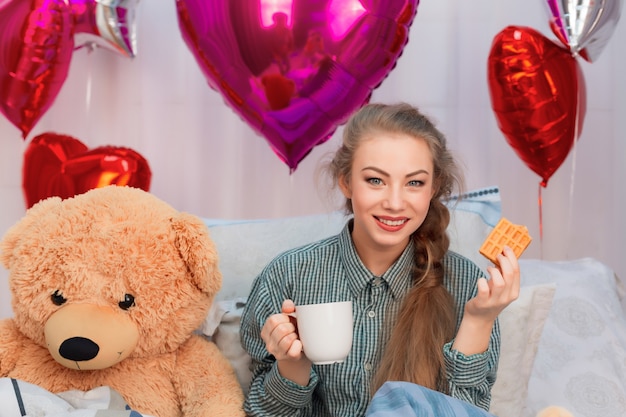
(391, 224)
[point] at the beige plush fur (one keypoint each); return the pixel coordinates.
(107, 289)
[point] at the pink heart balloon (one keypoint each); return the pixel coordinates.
(35, 49)
(296, 71)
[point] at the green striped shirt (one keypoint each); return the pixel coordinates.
(330, 270)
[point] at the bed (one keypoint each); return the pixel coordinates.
(563, 340)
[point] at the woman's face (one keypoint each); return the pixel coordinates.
(390, 186)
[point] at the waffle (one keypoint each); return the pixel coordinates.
(505, 234)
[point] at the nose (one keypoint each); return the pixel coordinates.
(78, 349)
(394, 199)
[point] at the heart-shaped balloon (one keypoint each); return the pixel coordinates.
(36, 45)
(584, 26)
(60, 165)
(107, 23)
(538, 95)
(295, 73)
(37, 39)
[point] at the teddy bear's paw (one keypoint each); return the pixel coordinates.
(554, 411)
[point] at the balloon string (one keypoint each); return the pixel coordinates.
(540, 205)
(571, 200)
(90, 48)
(292, 185)
(572, 177)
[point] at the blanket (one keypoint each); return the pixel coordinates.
(19, 398)
(410, 400)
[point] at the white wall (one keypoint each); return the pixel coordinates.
(207, 161)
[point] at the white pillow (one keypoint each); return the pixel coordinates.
(581, 361)
(471, 220)
(521, 326)
(246, 246)
(222, 326)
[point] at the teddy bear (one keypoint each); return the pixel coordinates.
(108, 289)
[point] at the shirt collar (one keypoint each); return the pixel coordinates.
(397, 277)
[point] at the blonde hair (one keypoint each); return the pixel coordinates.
(427, 318)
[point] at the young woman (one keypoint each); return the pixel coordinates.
(422, 314)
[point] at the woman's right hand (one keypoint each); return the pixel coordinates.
(281, 340)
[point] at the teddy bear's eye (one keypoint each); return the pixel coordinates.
(128, 302)
(57, 298)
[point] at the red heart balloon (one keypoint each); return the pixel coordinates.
(60, 165)
(295, 73)
(37, 39)
(36, 45)
(538, 95)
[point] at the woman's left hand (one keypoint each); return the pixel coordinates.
(492, 297)
(499, 291)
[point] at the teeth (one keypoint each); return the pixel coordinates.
(392, 222)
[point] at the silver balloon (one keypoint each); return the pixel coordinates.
(107, 23)
(584, 26)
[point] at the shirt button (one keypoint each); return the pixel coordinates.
(368, 367)
(371, 314)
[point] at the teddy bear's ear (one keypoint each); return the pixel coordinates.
(198, 252)
(12, 237)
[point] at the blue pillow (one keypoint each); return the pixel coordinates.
(484, 202)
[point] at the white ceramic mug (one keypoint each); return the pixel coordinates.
(325, 331)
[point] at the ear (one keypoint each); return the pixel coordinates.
(13, 236)
(345, 187)
(198, 252)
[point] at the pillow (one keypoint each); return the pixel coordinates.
(21, 398)
(521, 325)
(222, 326)
(581, 361)
(246, 246)
(472, 217)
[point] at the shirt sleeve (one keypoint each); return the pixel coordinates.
(269, 393)
(471, 378)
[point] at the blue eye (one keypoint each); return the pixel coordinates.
(375, 181)
(415, 183)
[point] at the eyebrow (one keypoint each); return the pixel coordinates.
(380, 171)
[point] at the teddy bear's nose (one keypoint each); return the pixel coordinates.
(78, 349)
